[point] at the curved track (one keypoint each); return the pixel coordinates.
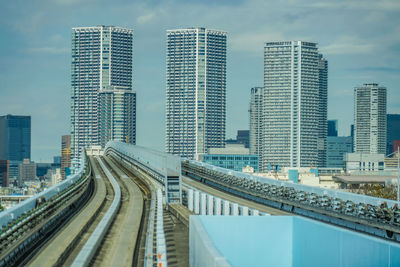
(121, 243)
(65, 245)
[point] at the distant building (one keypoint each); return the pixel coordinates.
(393, 132)
(370, 119)
(196, 91)
(256, 119)
(4, 170)
(242, 137)
(117, 115)
(294, 104)
(361, 163)
(101, 56)
(15, 141)
(352, 131)
(332, 128)
(65, 155)
(57, 160)
(337, 147)
(233, 156)
(27, 171)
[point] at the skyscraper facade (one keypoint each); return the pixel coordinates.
(256, 119)
(196, 91)
(101, 56)
(15, 141)
(117, 115)
(15, 137)
(322, 112)
(291, 116)
(4, 172)
(393, 132)
(370, 119)
(332, 128)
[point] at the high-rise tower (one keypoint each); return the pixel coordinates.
(322, 112)
(196, 91)
(370, 119)
(291, 106)
(15, 141)
(101, 57)
(117, 115)
(256, 117)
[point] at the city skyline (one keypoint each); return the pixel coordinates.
(40, 51)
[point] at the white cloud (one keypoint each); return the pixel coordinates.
(145, 18)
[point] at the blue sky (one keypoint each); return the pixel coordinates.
(360, 39)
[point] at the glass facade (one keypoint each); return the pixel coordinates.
(337, 147)
(196, 91)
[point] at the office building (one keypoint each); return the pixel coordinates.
(15, 137)
(370, 119)
(256, 119)
(393, 132)
(27, 171)
(332, 128)
(65, 155)
(196, 91)
(101, 56)
(117, 115)
(15, 141)
(337, 147)
(292, 119)
(234, 156)
(4, 170)
(243, 137)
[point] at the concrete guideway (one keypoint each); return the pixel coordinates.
(118, 248)
(76, 232)
(232, 198)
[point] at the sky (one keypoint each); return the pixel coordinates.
(360, 39)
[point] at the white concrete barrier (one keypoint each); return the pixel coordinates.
(196, 202)
(190, 199)
(235, 209)
(227, 210)
(218, 206)
(210, 205)
(203, 204)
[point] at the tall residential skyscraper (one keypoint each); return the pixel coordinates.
(65, 155)
(256, 119)
(370, 119)
(196, 91)
(15, 141)
(291, 103)
(101, 56)
(322, 112)
(117, 115)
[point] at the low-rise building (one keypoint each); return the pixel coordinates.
(364, 163)
(233, 156)
(27, 171)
